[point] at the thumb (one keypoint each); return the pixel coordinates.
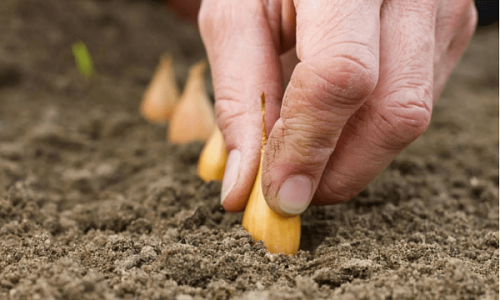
(244, 62)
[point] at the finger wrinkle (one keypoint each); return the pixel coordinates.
(274, 145)
(413, 73)
(229, 92)
(346, 81)
(311, 152)
(311, 137)
(417, 96)
(310, 44)
(364, 150)
(312, 127)
(410, 81)
(399, 9)
(414, 115)
(399, 126)
(257, 44)
(313, 109)
(242, 52)
(307, 112)
(221, 72)
(309, 117)
(371, 57)
(370, 70)
(412, 106)
(333, 45)
(232, 104)
(379, 138)
(230, 118)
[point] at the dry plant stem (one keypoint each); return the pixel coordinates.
(160, 97)
(194, 117)
(213, 158)
(280, 235)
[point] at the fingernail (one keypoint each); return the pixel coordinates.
(231, 174)
(295, 194)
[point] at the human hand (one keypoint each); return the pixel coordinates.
(363, 90)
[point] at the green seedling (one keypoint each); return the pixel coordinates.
(83, 59)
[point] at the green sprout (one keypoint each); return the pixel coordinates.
(83, 59)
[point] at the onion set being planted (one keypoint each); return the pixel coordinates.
(280, 235)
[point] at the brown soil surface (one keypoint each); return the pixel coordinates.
(95, 204)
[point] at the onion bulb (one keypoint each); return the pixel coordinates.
(161, 95)
(212, 162)
(193, 119)
(280, 235)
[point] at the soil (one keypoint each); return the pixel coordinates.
(95, 204)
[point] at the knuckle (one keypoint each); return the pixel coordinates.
(404, 121)
(345, 79)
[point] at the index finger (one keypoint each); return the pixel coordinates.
(242, 42)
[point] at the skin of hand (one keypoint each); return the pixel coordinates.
(361, 90)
